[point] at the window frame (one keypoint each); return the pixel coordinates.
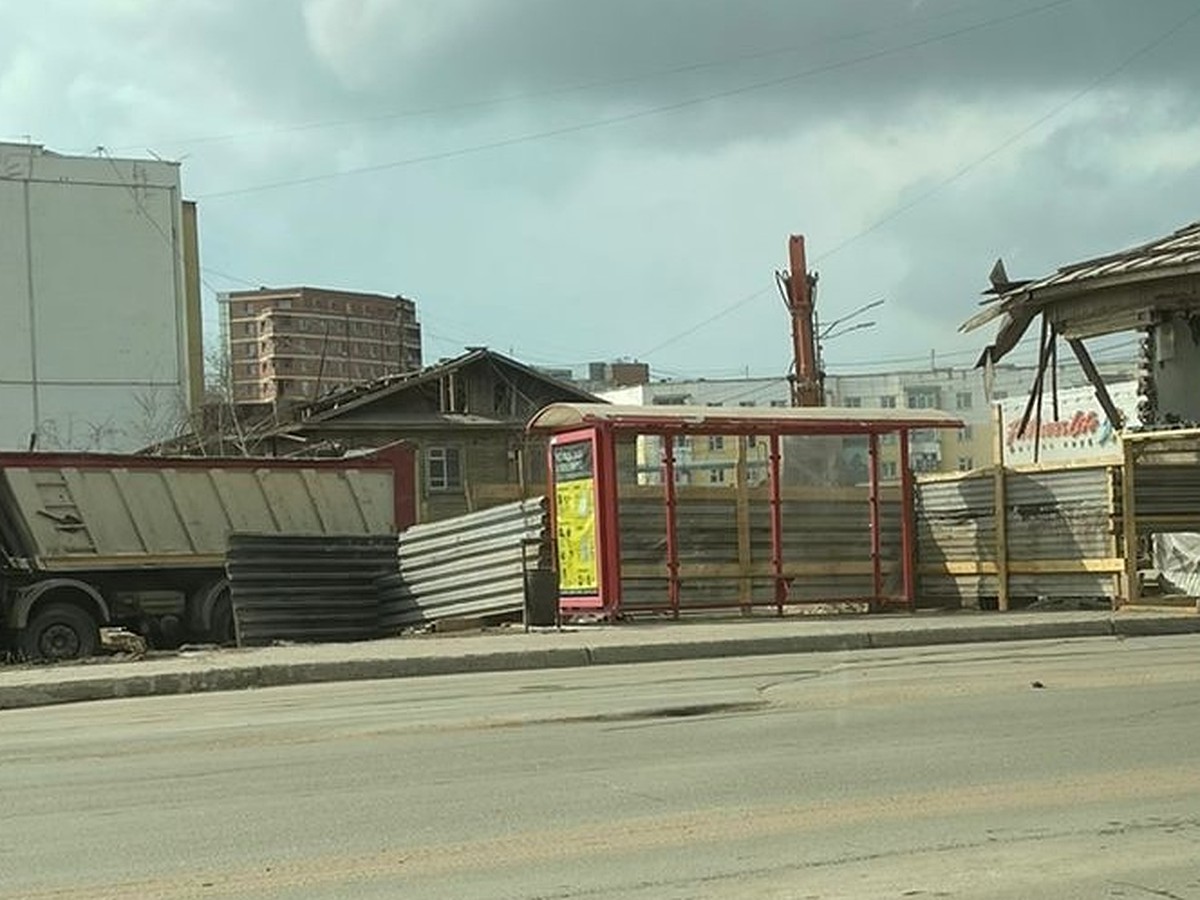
(447, 456)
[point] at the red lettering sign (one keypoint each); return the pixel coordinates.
(1081, 424)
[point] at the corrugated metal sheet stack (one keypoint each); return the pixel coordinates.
(307, 588)
(471, 566)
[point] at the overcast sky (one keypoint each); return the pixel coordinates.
(573, 180)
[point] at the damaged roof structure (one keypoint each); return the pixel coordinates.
(1153, 288)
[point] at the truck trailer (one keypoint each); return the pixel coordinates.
(90, 540)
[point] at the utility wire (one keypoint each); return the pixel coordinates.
(234, 278)
(1051, 113)
(649, 112)
(579, 87)
(996, 150)
(719, 314)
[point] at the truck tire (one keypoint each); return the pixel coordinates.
(59, 631)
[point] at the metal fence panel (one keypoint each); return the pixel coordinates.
(1056, 520)
(466, 566)
(826, 535)
(1059, 514)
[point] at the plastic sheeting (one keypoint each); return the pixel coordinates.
(1177, 558)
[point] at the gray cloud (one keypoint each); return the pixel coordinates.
(611, 240)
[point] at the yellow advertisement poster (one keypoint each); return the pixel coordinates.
(575, 507)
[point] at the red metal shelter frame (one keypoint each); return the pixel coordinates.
(571, 426)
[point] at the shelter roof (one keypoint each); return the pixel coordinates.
(815, 420)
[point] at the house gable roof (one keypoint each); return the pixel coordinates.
(366, 393)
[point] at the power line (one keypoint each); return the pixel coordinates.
(228, 277)
(638, 114)
(1051, 113)
(722, 62)
(721, 313)
(956, 175)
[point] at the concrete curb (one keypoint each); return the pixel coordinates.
(241, 677)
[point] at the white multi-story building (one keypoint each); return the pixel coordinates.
(957, 390)
(100, 343)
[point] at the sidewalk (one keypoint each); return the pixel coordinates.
(508, 650)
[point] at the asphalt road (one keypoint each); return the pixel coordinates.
(935, 773)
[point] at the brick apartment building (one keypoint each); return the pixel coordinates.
(289, 345)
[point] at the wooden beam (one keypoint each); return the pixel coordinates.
(734, 571)
(1054, 374)
(1047, 354)
(1093, 376)
(958, 568)
(888, 493)
(1036, 393)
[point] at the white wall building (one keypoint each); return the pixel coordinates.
(100, 344)
(956, 390)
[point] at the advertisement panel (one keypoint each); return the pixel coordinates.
(575, 518)
(1081, 433)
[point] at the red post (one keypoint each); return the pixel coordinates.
(907, 560)
(776, 507)
(876, 537)
(668, 474)
(609, 486)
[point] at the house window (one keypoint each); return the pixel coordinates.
(999, 395)
(502, 398)
(746, 403)
(887, 469)
(716, 476)
(752, 441)
(922, 400)
(925, 462)
(965, 464)
(964, 434)
(716, 442)
(443, 468)
(887, 401)
(778, 403)
(852, 402)
(962, 400)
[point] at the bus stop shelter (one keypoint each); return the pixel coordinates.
(585, 486)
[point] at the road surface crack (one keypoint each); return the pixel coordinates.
(1154, 892)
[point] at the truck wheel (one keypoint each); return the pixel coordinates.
(60, 631)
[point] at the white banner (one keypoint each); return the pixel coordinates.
(1082, 432)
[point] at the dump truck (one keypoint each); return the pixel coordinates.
(90, 541)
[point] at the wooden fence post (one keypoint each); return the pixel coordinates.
(1000, 507)
(1129, 521)
(743, 525)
